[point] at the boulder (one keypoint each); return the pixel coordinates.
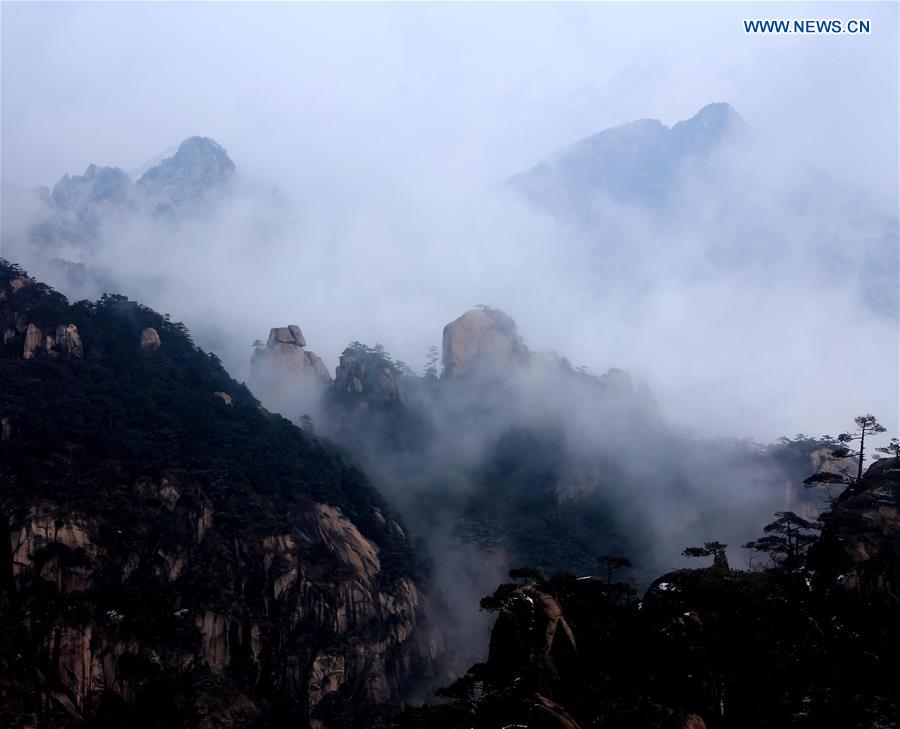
(291, 334)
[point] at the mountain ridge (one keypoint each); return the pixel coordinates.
(173, 554)
(634, 163)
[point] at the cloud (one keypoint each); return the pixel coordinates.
(372, 143)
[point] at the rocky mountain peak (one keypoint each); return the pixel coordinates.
(708, 127)
(199, 167)
(482, 341)
(285, 352)
(637, 163)
(285, 375)
(98, 185)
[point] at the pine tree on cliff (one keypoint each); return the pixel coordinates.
(866, 425)
(786, 540)
(716, 550)
(431, 363)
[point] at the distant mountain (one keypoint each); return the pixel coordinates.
(78, 205)
(200, 167)
(636, 163)
(98, 185)
(81, 213)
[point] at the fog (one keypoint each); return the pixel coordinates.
(372, 143)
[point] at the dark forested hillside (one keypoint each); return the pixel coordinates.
(173, 554)
(811, 640)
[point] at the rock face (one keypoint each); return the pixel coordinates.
(366, 382)
(860, 549)
(482, 342)
(309, 628)
(34, 342)
(532, 630)
(66, 343)
(150, 339)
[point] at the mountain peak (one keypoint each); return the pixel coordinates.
(633, 163)
(96, 185)
(199, 148)
(709, 126)
(200, 166)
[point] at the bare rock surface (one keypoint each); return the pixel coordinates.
(482, 342)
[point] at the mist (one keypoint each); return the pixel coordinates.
(373, 146)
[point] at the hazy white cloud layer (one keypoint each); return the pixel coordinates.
(372, 142)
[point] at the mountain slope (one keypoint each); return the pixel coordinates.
(174, 555)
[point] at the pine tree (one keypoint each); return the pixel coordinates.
(786, 540)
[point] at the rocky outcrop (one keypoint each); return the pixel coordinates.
(482, 342)
(66, 343)
(285, 356)
(287, 377)
(34, 342)
(860, 549)
(532, 631)
(150, 340)
(367, 381)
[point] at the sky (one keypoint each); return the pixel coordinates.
(387, 130)
(495, 85)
